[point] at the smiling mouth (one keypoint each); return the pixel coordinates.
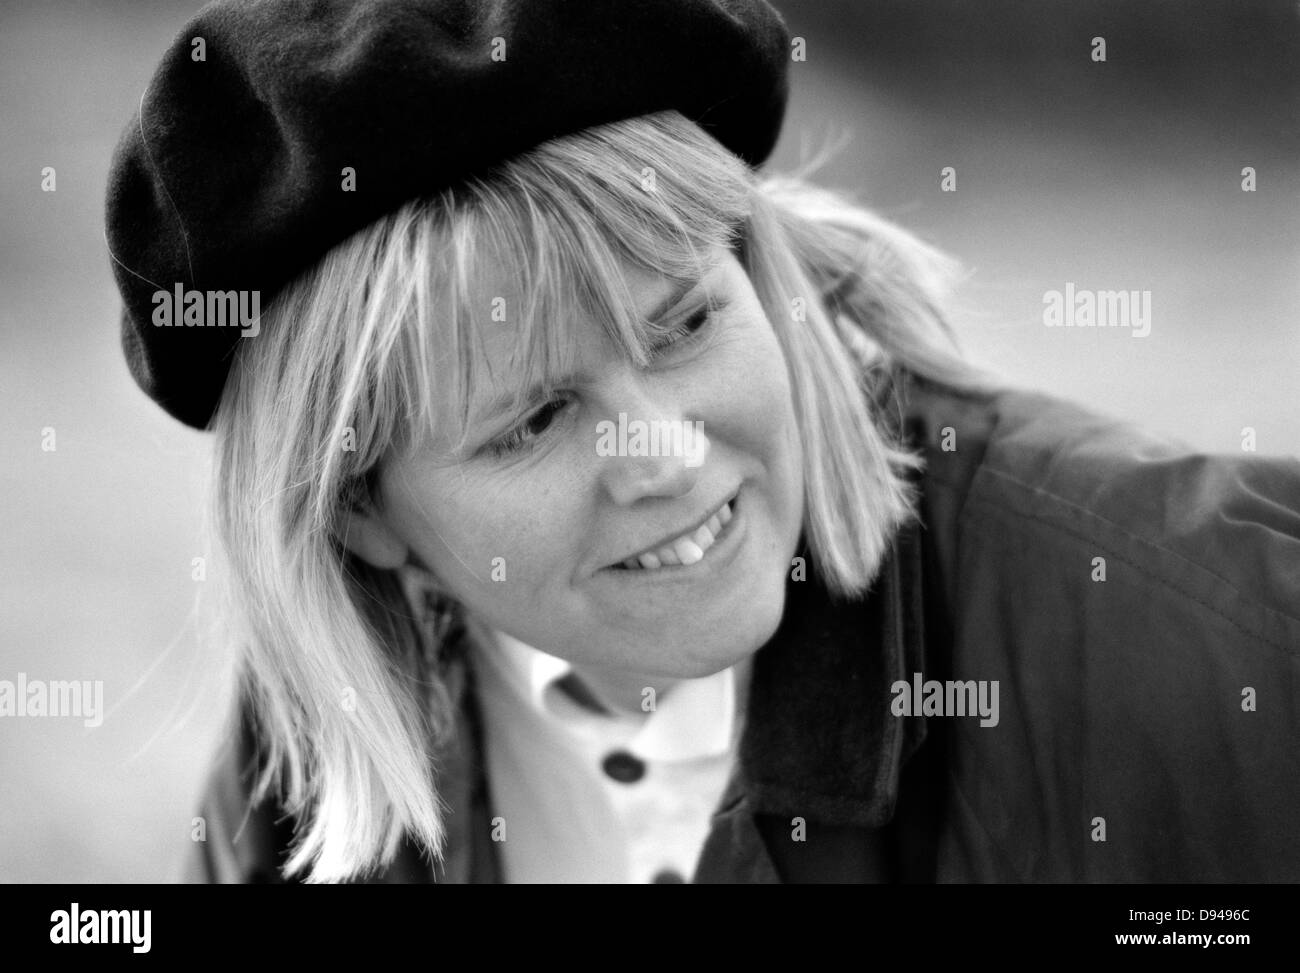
(687, 549)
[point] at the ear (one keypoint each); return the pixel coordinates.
(366, 535)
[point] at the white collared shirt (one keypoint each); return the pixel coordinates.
(565, 818)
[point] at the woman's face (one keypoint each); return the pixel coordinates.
(530, 525)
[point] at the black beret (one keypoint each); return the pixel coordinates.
(230, 177)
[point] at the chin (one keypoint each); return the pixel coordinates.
(720, 648)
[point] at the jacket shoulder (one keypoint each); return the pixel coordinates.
(248, 839)
(243, 841)
(1221, 531)
(1138, 603)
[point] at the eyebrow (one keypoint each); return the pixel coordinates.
(507, 399)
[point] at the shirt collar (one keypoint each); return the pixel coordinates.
(696, 718)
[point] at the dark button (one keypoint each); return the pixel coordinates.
(668, 876)
(623, 767)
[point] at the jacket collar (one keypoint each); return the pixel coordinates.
(819, 739)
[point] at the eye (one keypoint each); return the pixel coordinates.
(524, 434)
(691, 327)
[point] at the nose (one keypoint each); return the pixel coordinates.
(649, 449)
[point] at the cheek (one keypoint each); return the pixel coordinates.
(485, 543)
(758, 400)
(764, 406)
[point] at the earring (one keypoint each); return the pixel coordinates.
(437, 615)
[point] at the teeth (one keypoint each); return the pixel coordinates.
(688, 550)
(685, 550)
(703, 537)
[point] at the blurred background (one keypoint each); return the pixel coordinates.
(1117, 175)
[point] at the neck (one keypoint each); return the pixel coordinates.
(619, 691)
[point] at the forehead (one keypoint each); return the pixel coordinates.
(519, 336)
(504, 309)
(503, 332)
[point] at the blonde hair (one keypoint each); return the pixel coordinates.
(348, 355)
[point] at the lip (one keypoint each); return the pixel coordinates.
(690, 529)
(722, 551)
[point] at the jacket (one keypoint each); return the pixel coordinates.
(1137, 605)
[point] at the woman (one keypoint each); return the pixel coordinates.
(598, 509)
